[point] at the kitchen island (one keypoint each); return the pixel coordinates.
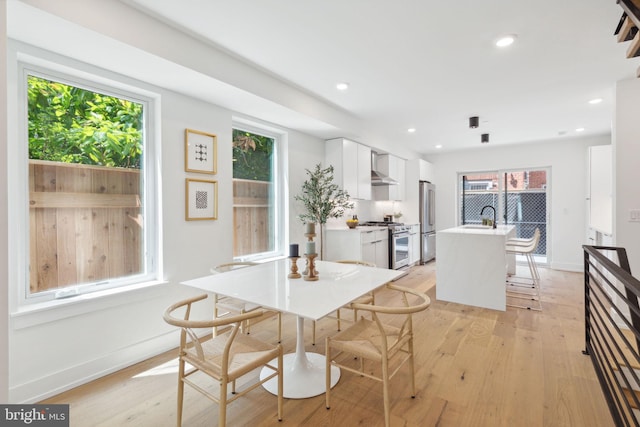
(472, 265)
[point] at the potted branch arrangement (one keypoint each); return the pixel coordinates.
(322, 199)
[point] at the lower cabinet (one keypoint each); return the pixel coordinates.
(414, 244)
(369, 244)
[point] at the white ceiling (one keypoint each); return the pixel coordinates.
(425, 64)
(432, 64)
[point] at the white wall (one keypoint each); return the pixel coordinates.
(52, 351)
(626, 153)
(187, 244)
(4, 224)
(568, 189)
(304, 153)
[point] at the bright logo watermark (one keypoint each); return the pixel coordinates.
(34, 415)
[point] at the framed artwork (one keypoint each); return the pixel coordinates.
(201, 199)
(200, 151)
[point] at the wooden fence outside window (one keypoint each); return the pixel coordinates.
(253, 227)
(85, 224)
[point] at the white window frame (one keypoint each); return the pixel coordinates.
(281, 213)
(90, 78)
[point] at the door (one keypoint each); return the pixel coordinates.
(519, 196)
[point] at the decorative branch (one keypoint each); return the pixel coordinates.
(321, 197)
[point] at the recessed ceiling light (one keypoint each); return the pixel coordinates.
(506, 40)
(595, 101)
(579, 129)
(342, 86)
(411, 130)
(439, 146)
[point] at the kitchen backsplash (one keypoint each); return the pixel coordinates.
(368, 210)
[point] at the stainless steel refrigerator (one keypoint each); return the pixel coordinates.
(427, 221)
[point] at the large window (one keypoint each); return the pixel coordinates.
(258, 201)
(89, 187)
(519, 198)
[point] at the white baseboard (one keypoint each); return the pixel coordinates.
(58, 382)
(577, 268)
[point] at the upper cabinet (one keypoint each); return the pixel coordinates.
(416, 170)
(426, 171)
(394, 168)
(351, 163)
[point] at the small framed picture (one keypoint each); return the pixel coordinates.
(201, 199)
(200, 151)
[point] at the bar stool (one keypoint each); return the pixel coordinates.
(525, 247)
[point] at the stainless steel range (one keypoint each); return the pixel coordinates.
(398, 242)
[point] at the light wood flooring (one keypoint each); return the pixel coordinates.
(474, 367)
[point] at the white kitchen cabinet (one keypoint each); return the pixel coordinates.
(472, 265)
(414, 244)
(416, 170)
(426, 171)
(351, 163)
(368, 247)
(364, 172)
(375, 247)
(369, 244)
(394, 167)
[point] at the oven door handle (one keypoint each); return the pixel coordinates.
(401, 235)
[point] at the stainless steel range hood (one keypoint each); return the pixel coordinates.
(377, 177)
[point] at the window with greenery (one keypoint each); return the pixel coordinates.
(87, 207)
(255, 193)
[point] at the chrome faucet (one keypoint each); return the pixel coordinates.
(494, 213)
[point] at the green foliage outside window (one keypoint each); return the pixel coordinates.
(252, 156)
(73, 125)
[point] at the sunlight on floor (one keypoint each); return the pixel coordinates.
(170, 367)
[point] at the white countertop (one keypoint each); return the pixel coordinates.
(500, 230)
(359, 228)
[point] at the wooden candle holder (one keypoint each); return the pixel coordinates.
(294, 268)
(305, 273)
(312, 274)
